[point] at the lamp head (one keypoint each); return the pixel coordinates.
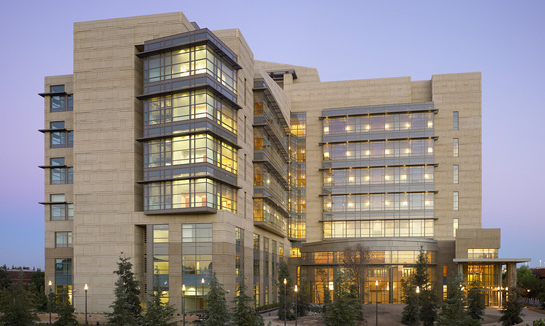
(86, 287)
(285, 281)
(331, 287)
(202, 280)
(183, 287)
(417, 289)
(295, 288)
(50, 283)
(376, 283)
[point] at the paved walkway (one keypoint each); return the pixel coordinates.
(390, 315)
(494, 314)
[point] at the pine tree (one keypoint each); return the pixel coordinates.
(157, 313)
(244, 313)
(16, 306)
(427, 298)
(303, 299)
(327, 300)
(66, 313)
(475, 301)
(216, 312)
(126, 306)
(454, 311)
(285, 293)
(4, 278)
(512, 312)
(342, 310)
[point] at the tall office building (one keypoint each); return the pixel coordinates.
(170, 144)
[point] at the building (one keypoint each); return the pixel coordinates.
(172, 145)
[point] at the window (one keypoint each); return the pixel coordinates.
(63, 276)
(455, 197)
(61, 138)
(196, 263)
(161, 260)
(191, 105)
(56, 88)
(193, 193)
(455, 173)
(198, 148)
(63, 239)
(60, 210)
(190, 61)
(455, 120)
(485, 253)
(60, 175)
(59, 103)
(239, 259)
(455, 147)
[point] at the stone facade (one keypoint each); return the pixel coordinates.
(107, 156)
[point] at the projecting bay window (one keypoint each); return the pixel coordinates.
(269, 215)
(187, 194)
(189, 106)
(61, 175)
(190, 61)
(199, 148)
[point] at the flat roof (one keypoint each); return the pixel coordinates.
(492, 260)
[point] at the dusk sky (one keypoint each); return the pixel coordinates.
(344, 40)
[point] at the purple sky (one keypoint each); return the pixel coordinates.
(344, 40)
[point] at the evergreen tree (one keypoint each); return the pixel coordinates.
(66, 313)
(327, 300)
(216, 312)
(16, 306)
(285, 293)
(427, 298)
(126, 306)
(475, 301)
(342, 310)
(4, 279)
(454, 311)
(512, 312)
(410, 311)
(157, 313)
(39, 299)
(303, 299)
(244, 313)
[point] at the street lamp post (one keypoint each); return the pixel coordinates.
(285, 288)
(202, 283)
(295, 304)
(376, 303)
(417, 306)
(183, 304)
(50, 283)
(86, 288)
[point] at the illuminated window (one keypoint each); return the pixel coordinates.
(454, 226)
(455, 147)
